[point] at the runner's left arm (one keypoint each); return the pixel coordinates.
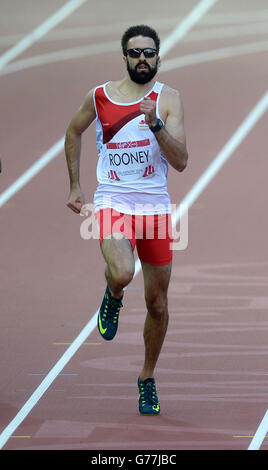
(171, 138)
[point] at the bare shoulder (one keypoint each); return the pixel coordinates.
(171, 96)
(167, 90)
(87, 108)
(89, 99)
(84, 115)
(170, 102)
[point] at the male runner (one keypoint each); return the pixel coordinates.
(139, 130)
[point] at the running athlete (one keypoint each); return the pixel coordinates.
(139, 130)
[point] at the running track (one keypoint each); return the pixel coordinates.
(212, 373)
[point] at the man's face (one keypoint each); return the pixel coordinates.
(142, 69)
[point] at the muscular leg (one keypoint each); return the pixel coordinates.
(120, 267)
(156, 281)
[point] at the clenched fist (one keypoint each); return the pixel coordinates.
(76, 200)
(148, 107)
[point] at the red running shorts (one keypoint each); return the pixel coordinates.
(151, 234)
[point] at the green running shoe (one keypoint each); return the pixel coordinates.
(148, 401)
(108, 315)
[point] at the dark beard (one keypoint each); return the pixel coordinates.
(144, 76)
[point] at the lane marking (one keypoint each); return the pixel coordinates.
(55, 57)
(86, 51)
(32, 171)
(50, 377)
(55, 371)
(40, 31)
(241, 437)
(235, 17)
(111, 46)
(185, 25)
(84, 344)
(213, 19)
(260, 434)
(31, 390)
(44, 374)
(214, 54)
(242, 131)
(178, 33)
(228, 30)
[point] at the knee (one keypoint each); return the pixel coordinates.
(122, 275)
(157, 306)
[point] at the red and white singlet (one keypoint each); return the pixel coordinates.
(131, 171)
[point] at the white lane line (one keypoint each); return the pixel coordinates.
(222, 32)
(236, 17)
(182, 29)
(260, 434)
(214, 54)
(64, 54)
(169, 64)
(242, 131)
(178, 33)
(255, 29)
(50, 377)
(211, 19)
(40, 31)
(32, 171)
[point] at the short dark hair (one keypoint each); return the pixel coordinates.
(139, 30)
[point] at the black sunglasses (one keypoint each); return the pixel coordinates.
(136, 52)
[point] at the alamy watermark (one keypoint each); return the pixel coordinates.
(154, 225)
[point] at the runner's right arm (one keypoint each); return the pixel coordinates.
(82, 119)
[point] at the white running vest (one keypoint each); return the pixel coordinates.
(131, 171)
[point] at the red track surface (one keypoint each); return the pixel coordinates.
(212, 373)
